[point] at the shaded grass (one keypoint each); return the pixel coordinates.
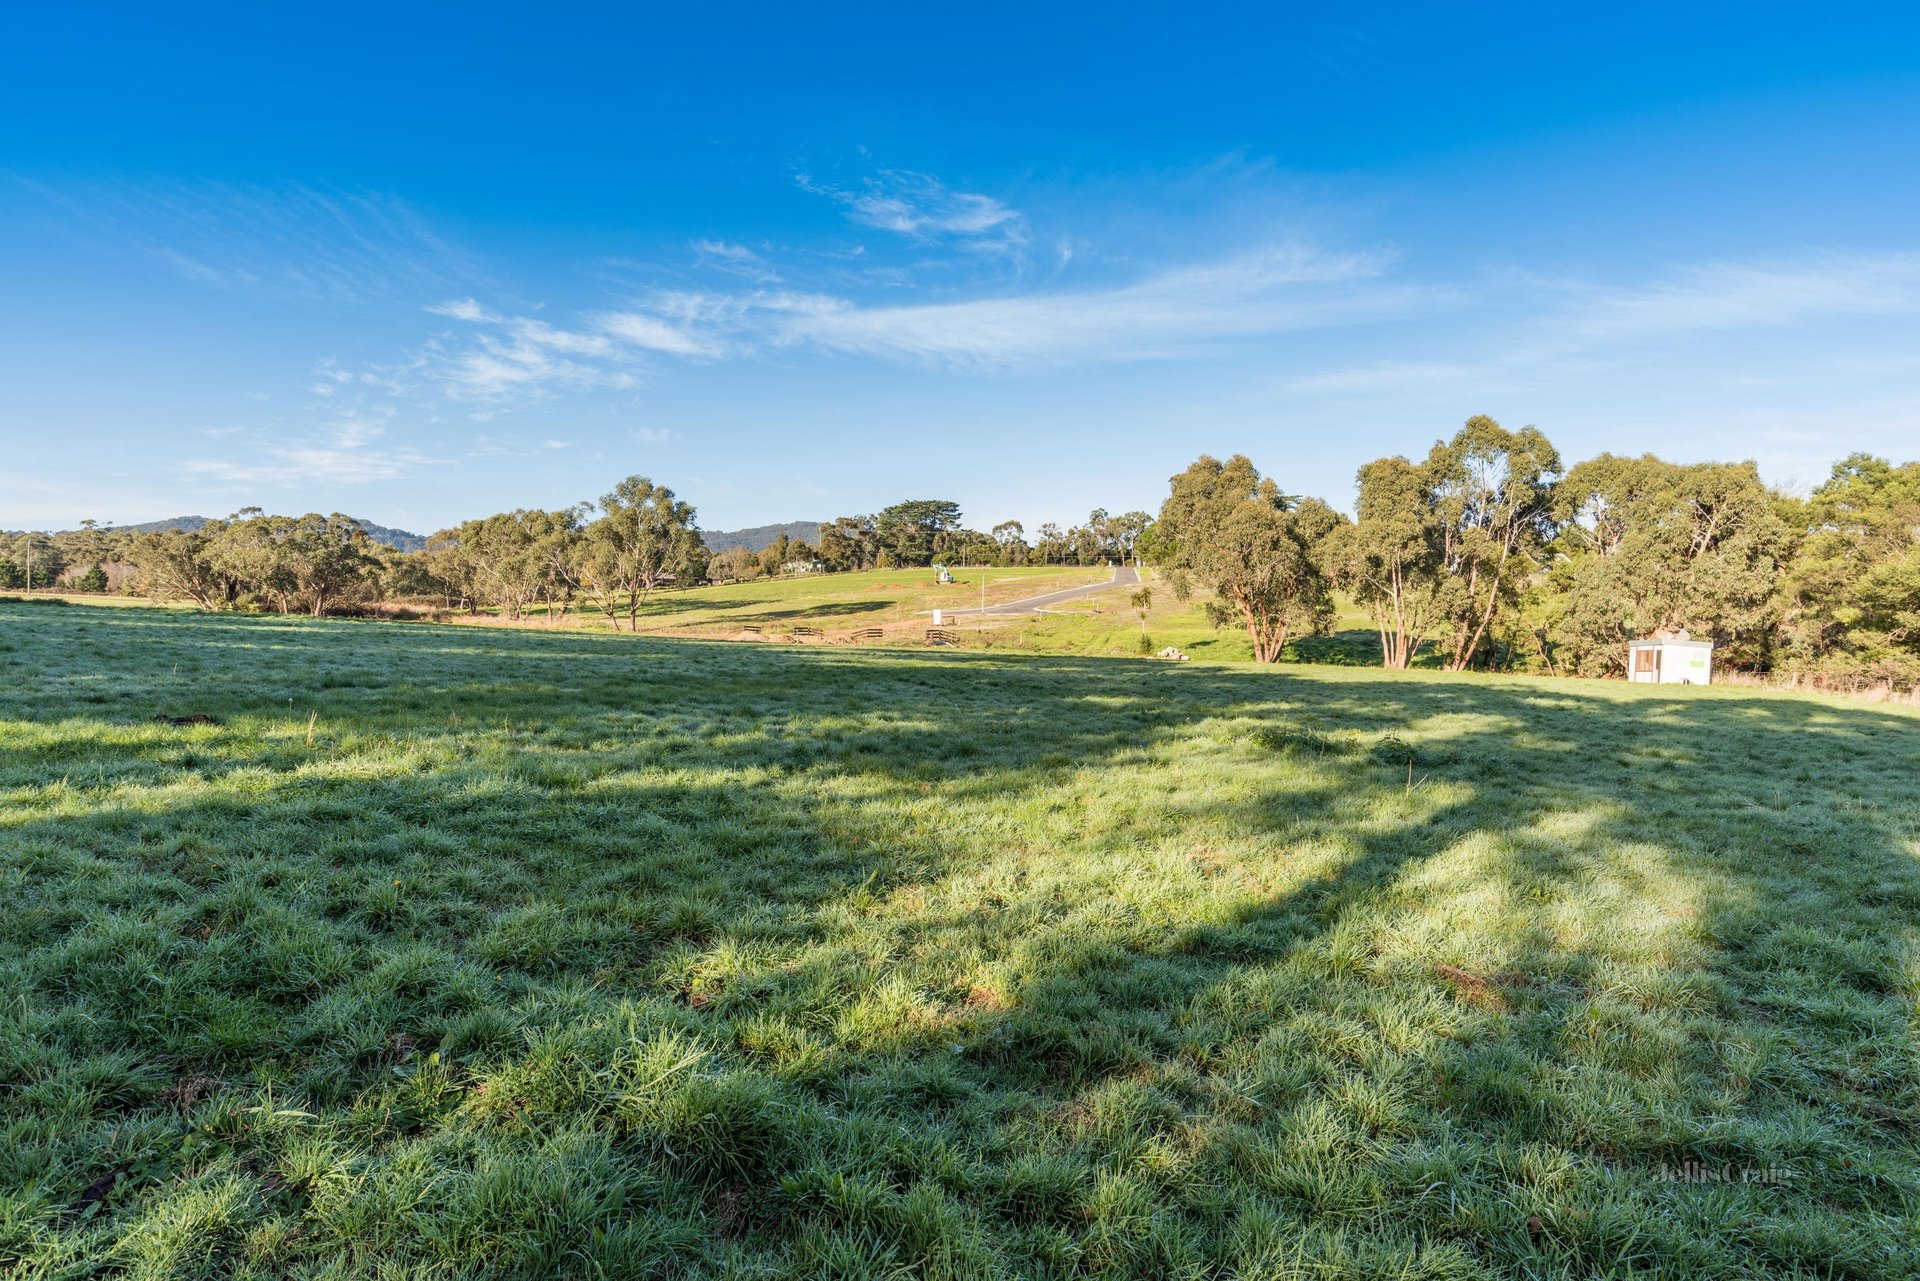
(488, 953)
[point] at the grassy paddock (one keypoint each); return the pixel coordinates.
(1108, 626)
(834, 602)
(478, 952)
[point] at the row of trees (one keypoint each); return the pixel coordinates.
(926, 531)
(611, 556)
(1487, 552)
(1492, 553)
(77, 558)
(296, 564)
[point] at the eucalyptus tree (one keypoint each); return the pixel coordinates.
(517, 559)
(918, 530)
(1491, 494)
(849, 542)
(1851, 596)
(1126, 530)
(1649, 544)
(1010, 542)
(328, 559)
(182, 564)
(1389, 559)
(1260, 552)
(643, 538)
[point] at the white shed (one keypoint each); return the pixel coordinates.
(1670, 659)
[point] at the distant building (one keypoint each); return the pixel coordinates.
(1670, 658)
(804, 567)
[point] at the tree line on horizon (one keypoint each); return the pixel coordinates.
(609, 556)
(1486, 553)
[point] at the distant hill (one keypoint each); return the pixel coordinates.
(760, 537)
(167, 526)
(398, 539)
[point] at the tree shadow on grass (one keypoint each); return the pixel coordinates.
(827, 609)
(1676, 971)
(1048, 938)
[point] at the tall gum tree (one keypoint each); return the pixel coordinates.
(1648, 544)
(644, 537)
(1259, 551)
(1388, 560)
(1851, 596)
(1491, 492)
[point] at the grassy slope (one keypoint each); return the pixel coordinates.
(838, 602)
(1109, 626)
(901, 599)
(580, 955)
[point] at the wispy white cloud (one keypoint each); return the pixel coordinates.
(1184, 311)
(654, 333)
(517, 356)
(343, 452)
(735, 260)
(290, 239)
(462, 309)
(1552, 329)
(1733, 295)
(922, 207)
(497, 358)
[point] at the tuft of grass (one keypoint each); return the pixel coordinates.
(566, 954)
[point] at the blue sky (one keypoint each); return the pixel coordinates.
(800, 261)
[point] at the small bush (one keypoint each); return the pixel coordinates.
(1291, 739)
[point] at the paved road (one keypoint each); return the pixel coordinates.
(1124, 576)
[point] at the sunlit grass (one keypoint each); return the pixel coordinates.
(476, 952)
(1109, 626)
(831, 603)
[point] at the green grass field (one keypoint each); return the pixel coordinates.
(475, 952)
(900, 599)
(1108, 626)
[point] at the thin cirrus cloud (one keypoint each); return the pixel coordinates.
(1579, 327)
(519, 356)
(1737, 295)
(1183, 312)
(345, 452)
(925, 209)
(289, 240)
(735, 260)
(654, 333)
(1187, 311)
